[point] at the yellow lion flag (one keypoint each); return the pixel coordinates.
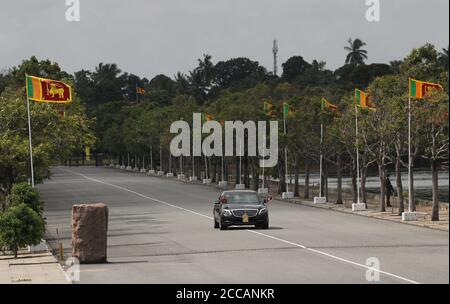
(47, 90)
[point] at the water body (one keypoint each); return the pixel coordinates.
(422, 184)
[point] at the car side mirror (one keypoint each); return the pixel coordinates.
(269, 199)
(223, 200)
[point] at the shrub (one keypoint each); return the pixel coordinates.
(23, 193)
(20, 226)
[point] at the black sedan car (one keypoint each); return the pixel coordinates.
(241, 208)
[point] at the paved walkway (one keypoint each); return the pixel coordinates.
(36, 268)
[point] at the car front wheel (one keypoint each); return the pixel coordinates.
(216, 224)
(222, 226)
(265, 225)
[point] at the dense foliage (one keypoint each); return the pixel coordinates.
(134, 128)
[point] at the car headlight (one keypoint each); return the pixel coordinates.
(226, 212)
(262, 210)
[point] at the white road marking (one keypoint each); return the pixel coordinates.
(136, 193)
(336, 257)
(249, 230)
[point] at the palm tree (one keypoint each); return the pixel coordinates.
(108, 83)
(356, 55)
(443, 57)
(181, 83)
(207, 68)
(200, 79)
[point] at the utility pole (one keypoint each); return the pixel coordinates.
(275, 58)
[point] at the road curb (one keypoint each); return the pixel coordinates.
(361, 215)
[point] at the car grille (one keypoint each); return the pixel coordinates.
(240, 213)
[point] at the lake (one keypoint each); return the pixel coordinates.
(422, 183)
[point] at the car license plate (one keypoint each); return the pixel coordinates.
(245, 218)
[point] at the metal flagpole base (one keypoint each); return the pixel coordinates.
(128, 168)
(161, 173)
(287, 195)
(263, 191)
(207, 181)
(193, 179)
(136, 169)
(181, 176)
(151, 172)
(223, 184)
(318, 200)
(358, 207)
(169, 175)
(240, 186)
(409, 216)
(143, 171)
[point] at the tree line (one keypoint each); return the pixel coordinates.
(133, 128)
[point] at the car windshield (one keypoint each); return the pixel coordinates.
(242, 198)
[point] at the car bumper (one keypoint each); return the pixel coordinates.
(237, 221)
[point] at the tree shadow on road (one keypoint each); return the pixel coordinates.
(256, 229)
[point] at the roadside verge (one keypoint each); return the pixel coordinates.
(31, 268)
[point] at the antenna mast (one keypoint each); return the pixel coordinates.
(275, 53)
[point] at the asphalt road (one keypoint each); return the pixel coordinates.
(161, 231)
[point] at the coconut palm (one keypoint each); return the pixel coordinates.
(356, 55)
(443, 57)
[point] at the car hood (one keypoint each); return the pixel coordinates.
(242, 206)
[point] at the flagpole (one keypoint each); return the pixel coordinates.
(193, 165)
(410, 186)
(181, 164)
(285, 150)
(222, 122)
(321, 160)
(240, 162)
(29, 136)
(223, 168)
(160, 158)
(206, 168)
(151, 157)
(357, 156)
(137, 94)
(264, 159)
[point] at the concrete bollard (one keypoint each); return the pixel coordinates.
(89, 233)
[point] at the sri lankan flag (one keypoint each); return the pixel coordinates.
(329, 106)
(207, 117)
(420, 89)
(287, 110)
(362, 100)
(47, 90)
(269, 109)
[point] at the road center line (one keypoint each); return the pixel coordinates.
(249, 230)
